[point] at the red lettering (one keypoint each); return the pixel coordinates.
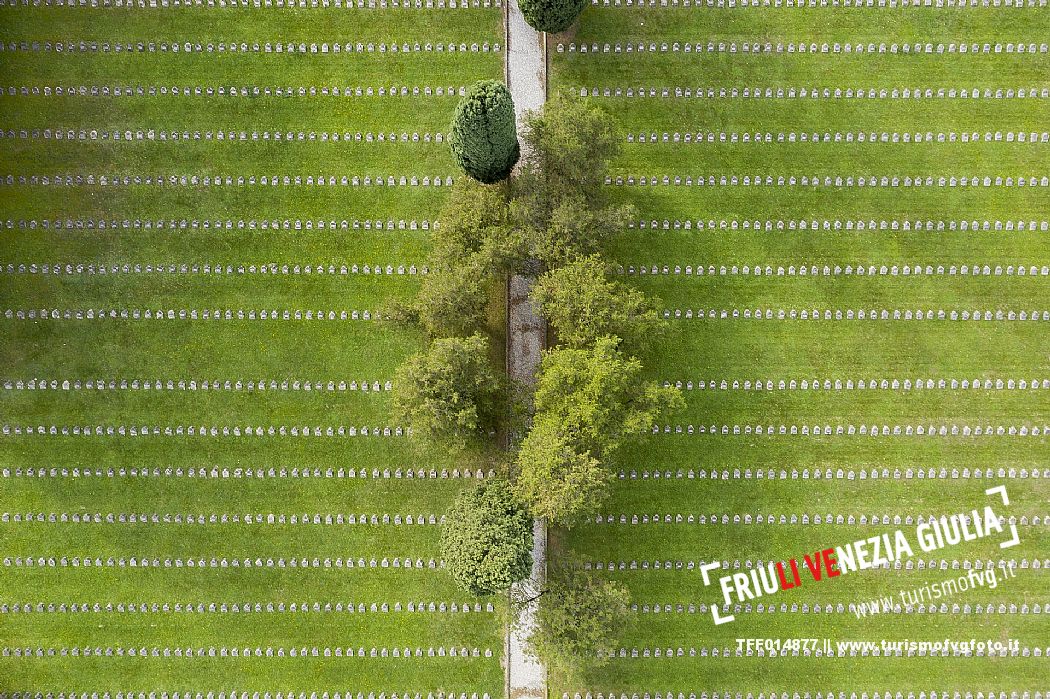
(814, 566)
(830, 562)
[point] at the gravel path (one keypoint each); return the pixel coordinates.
(527, 79)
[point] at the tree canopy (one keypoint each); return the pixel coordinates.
(582, 306)
(486, 539)
(450, 392)
(551, 15)
(570, 144)
(588, 402)
(559, 196)
(579, 614)
(484, 136)
(473, 246)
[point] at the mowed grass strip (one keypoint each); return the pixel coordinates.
(236, 246)
(177, 202)
(233, 112)
(785, 247)
(264, 674)
(261, 25)
(853, 24)
(866, 496)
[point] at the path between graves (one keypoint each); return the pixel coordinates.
(526, 74)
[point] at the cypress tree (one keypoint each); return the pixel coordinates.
(551, 15)
(484, 137)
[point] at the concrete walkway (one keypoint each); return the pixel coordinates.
(526, 74)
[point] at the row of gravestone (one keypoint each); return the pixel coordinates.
(276, 136)
(222, 562)
(327, 519)
(743, 4)
(852, 652)
(258, 652)
(837, 137)
(273, 315)
(870, 384)
(906, 270)
(289, 4)
(909, 430)
(217, 224)
(869, 314)
(194, 385)
(922, 564)
(214, 473)
(247, 608)
(840, 224)
(802, 47)
(271, 269)
(828, 474)
(185, 314)
(738, 695)
(78, 180)
(859, 181)
(234, 694)
(714, 519)
(816, 93)
(81, 46)
(233, 91)
(200, 431)
(818, 608)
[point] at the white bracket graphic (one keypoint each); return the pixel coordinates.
(1001, 491)
(704, 570)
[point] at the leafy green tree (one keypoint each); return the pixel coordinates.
(575, 229)
(582, 305)
(475, 225)
(483, 137)
(579, 616)
(474, 245)
(551, 15)
(560, 482)
(486, 539)
(570, 144)
(451, 392)
(453, 301)
(588, 403)
(559, 196)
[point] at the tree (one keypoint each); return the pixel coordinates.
(560, 482)
(579, 615)
(582, 305)
(570, 144)
(474, 244)
(551, 15)
(575, 229)
(475, 224)
(483, 133)
(486, 539)
(450, 392)
(588, 403)
(452, 302)
(559, 195)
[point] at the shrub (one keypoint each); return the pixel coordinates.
(486, 539)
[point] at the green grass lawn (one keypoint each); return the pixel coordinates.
(188, 350)
(738, 350)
